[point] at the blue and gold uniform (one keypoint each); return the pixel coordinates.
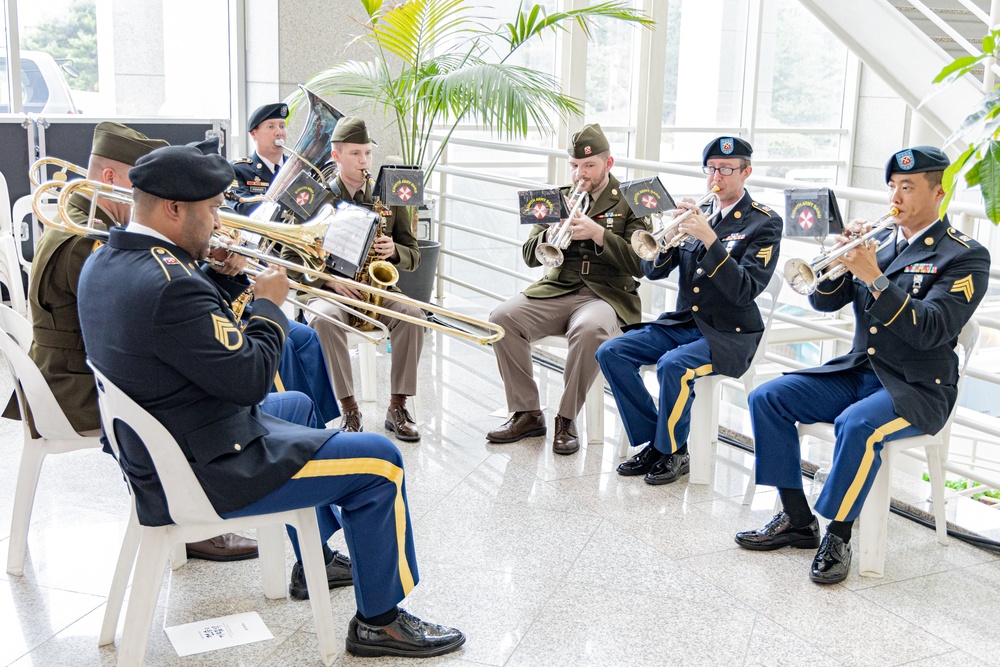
(163, 332)
(253, 177)
(715, 328)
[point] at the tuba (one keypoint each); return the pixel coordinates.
(374, 271)
(311, 149)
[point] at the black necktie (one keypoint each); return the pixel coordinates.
(276, 168)
(901, 245)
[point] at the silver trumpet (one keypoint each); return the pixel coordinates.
(804, 277)
(551, 254)
(649, 244)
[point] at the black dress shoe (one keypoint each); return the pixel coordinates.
(668, 469)
(779, 532)
(338, 573)
(224, 548)
(641, 463)
(352, 422)
(406, 637)
(832, 562)
(520, 425)
(565, 440)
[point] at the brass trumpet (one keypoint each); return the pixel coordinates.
(649, 244)
(65, 167)
(804, 277)
(551, 254)
(307, 242)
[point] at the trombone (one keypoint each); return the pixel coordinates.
(804, 277)
(307, 242)
(94, 189)
(649, 244)
(65, 167)
(551, 254)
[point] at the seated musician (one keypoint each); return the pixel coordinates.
(166, 321)
(586, 299)
(911, 297)
(725, 263)
(254, 173)
(352, 152)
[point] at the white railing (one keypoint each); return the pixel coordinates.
(984, 433)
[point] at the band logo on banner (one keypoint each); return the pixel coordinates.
(303, 196)
(647, 196)
(539, 207)
(812, 212)
(400, 185)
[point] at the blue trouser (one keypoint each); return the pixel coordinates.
(362, 474)
(863, 418)
(303, 368)
(681, 355)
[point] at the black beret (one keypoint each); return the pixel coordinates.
(183, 173)
(351, 130)
(121, 143)
(726, 147)
(267, 112)
(916, 159)
(590, 140)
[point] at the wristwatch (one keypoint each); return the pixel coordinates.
(880, 284)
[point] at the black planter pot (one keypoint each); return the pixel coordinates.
(420, 283)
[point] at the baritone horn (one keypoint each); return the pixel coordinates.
(551, 254)
(305, 239)
(649, 244)
(804, 277)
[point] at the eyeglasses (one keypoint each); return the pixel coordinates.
(725, 171)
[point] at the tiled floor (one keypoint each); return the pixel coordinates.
(541, 560)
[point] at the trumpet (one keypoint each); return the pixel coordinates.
(804, 277)
(649, 244)
(94, 189)
(307, 242)
(551, 254)
(65, 167)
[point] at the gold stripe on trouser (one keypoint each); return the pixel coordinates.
(382, 468)
(278, 384)
(682, 397)
(854, 489)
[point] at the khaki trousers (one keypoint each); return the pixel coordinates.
(582, 317)
(407, 344)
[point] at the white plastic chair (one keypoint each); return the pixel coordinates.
(10, 270)
(22, 210)
(704, 435)
(56, 435)
(874, 517)
(594, 403)
(194, 519)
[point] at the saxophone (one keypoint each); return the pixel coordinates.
(375, 271)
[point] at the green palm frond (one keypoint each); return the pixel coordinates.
(534, 21)
(410, 30)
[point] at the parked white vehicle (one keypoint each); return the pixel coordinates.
(44, 89)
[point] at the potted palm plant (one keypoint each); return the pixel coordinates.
(437, 63)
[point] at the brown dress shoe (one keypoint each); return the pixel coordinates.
(399, 421)
(351, 422)
(520, 425)
(565, 440)
(223, 548)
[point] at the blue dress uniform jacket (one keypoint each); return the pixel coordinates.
(718, 285)
(608, 271)
(162, 331)
(910, 332)
(252, 178)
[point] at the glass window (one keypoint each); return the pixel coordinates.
(610, 70)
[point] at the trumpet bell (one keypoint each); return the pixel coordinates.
(549, 255)
(800, 276)
(645, 244)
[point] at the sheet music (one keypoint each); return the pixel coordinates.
(348, 232)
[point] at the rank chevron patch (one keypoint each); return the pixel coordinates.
(964, 285)
(227, 333)
(765, 254)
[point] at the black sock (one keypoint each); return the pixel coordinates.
(380, 620)
(841, 529)
(327, 554)
(796, 507)
(683, 449)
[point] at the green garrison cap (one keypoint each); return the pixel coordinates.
(351, 130)
(119, 142)
(194, 172)
(588, 141)
(916, 159)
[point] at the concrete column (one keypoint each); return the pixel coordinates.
(139, 59)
